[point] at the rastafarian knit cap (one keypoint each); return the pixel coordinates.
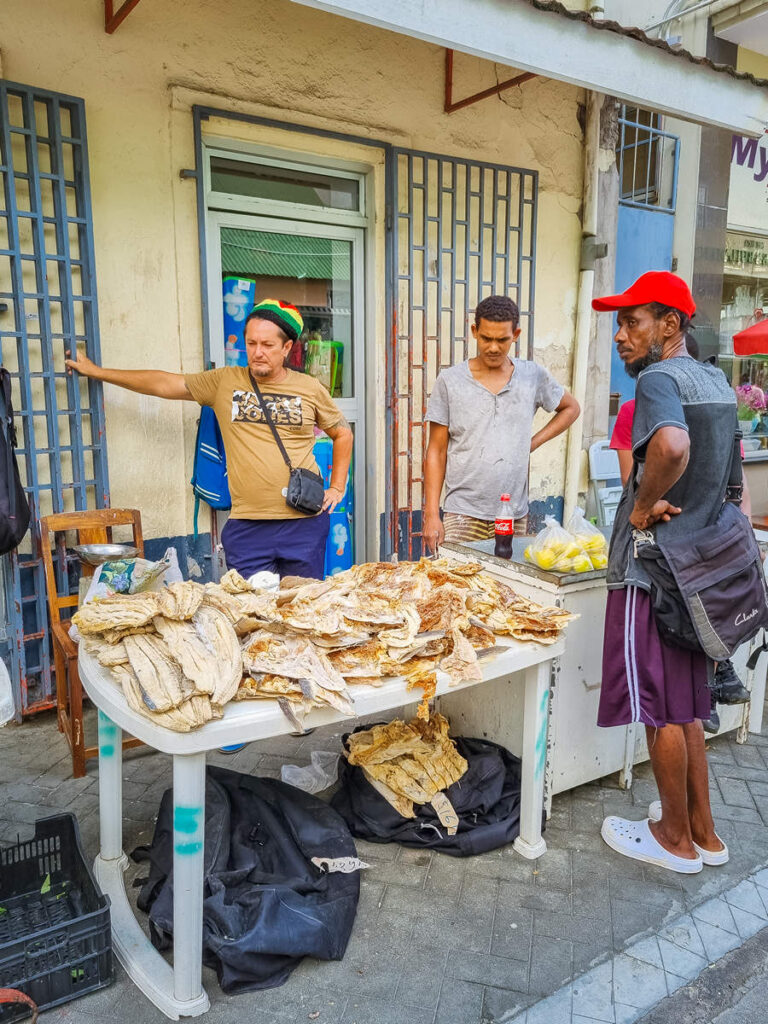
(286, 316)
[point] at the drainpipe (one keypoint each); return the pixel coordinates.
(575, 455)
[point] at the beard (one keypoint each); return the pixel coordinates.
(653, 355)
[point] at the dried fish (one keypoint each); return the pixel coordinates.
(118, 611)
(180, 600)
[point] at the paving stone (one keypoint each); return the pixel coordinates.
(512, 933)
(503, 1006)
(460, 1002)
(555, 1009)
(554, 870)
(683, 932)
(593, 993)
(571, 839)
(735, 792)
(551, 964)
(570, 926)
(381, 1011)
(403, 874)
(608, 864)
(636, 983)
(421, 978)
(536, 897)
(485, 969)
(664, 897)
(717, 913)
(716, 941)
(748, 924)
(746, 897)
(457, 929)
(646, 950)
(628, 919)
(681, 962)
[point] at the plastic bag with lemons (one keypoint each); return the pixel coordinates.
(589, 538)
(556, 550)
(581, 548)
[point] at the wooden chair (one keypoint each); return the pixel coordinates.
(92, 527)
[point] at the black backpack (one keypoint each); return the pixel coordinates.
(14, 507)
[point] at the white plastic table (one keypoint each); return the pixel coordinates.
(178, 991)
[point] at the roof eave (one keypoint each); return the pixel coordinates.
(518, 35)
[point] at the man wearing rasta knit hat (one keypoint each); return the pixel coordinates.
(683, 432)
(263, 532)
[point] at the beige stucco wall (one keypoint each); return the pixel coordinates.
(294, 64)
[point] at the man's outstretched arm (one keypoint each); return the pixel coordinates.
(566, 413)
(146, 382)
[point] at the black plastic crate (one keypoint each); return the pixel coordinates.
(55, 934)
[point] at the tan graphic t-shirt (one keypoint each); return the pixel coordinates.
(256, 470)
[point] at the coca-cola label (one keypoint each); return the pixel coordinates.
(505, 526)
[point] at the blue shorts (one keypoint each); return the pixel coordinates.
(289, 547)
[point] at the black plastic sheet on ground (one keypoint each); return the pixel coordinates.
(486, 799)
(266, 906)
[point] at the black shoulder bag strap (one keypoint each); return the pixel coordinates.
(270, 421)
(735, 487)
(9, 430)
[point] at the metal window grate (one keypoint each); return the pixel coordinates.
(48, 282)
(647, 159)
(461, 231)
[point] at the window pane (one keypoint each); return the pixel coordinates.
(314, 274)
(745, 302)
(283, 185)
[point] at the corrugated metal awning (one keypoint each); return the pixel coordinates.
(269, 254)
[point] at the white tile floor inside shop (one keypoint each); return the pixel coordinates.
(580, 935)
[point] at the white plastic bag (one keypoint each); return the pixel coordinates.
(555, 550)
(588, 537)
(7, 705)
(317, 776)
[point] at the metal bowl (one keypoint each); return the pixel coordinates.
(96, 554)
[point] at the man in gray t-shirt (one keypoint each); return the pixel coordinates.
(480, 417)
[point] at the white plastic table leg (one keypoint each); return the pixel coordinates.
(530, 843)
(110, 788)
(188, 854)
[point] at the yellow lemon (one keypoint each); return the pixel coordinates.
(599, 561)
(573, 550)
(596, 543)
(582, 564)
(527, 554)
(545, 558)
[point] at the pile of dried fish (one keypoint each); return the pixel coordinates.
(408, 763)
(175, 654)
(178, 652)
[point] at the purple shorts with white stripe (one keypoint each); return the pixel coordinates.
(644, 679)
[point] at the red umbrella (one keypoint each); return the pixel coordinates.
(753, 341)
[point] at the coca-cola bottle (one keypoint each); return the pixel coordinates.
(505, 529)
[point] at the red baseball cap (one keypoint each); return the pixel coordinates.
(655, 286)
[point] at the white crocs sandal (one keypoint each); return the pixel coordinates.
(712, 858)
(634, 839)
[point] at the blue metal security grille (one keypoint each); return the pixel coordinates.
(461, 231)
(647, 159)
(47, 305)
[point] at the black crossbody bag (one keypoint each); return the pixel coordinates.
(306, 490)
(708, 589)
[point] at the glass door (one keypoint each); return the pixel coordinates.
(318, 268)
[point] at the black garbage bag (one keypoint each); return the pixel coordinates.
(265, 904)
(486, 799)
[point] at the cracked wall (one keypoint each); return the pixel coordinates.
(292, 64)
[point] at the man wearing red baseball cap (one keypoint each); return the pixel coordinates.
(682, 447)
